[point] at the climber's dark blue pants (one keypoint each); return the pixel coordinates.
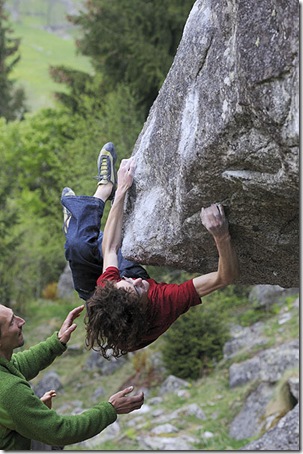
(83, 247)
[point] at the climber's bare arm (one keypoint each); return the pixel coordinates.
(113, 228)
(214, 220)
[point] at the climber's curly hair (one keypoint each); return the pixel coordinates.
(115, 320)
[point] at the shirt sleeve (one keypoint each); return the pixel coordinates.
(32, 419)
(110, 274)
(30, 362)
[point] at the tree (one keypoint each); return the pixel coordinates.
(9, 217)
(81, 86)
(38, 158)
(132, 42)
(34, 165)
(194, 343)
(12, 105)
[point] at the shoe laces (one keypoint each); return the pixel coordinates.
(104, 168)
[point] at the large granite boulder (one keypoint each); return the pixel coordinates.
(224, 128)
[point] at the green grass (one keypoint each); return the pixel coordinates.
(39, 49)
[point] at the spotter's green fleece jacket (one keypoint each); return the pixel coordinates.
(23, 416)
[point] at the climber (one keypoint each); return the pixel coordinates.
(23, 416)
(126, 309)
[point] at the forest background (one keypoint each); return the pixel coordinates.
(68, 84)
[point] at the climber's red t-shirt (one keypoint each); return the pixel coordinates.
(166, 302)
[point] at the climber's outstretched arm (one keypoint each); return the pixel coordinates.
(214, 220)
(113, 227)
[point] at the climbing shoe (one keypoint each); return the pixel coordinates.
(66, 192)
(106, 166)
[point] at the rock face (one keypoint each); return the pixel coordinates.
(224, 128)
(65, 287)
(274, 377)
(268, 365)
(284, 437)
(249, 421)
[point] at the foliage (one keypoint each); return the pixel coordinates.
(34, 166)
(41, 155)
(195, 342)
(232, 301)
(12, 104)
(8, 216)
(133, 43)
(80, 85)
(50, 291)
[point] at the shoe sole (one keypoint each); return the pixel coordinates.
(66, 192)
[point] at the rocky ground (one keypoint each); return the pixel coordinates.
(249, 402)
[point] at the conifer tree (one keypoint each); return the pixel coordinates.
(194, 343)
(131, 42)
(12, 99)
(8, 213)
(81, 86)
